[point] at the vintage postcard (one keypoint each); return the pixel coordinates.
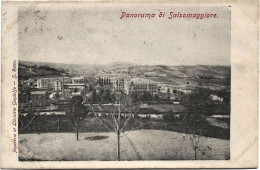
(136, 84)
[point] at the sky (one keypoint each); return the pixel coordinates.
(97, 35)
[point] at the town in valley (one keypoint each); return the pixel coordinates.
(185, 109)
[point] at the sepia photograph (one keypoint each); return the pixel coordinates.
(124, 83)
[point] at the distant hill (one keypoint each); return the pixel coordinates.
(163, 72)
(119, 64)
(52, 65)
(28, 70)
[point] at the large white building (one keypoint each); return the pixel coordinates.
(115, 81)
(62, 86)
(46, 83)
(78, 80)
(141, 85)
(60, 82)
(126, 84)
(52, 83)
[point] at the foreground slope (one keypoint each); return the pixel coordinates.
(137, 145)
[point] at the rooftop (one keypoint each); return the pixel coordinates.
(81, 77)
(54, 78)
(113, 75)
(38, 92)
(138, 80)
(78, 84)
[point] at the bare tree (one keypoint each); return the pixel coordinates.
(194, 126)
(25, 120)
(194, 121)
(28, 114)
(120, 117)
(76, 112)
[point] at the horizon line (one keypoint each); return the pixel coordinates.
(124, 62)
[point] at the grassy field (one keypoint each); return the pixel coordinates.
(137, 145)
(49, 124)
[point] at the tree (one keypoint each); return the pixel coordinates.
(194, 120)
(101, 95)
(27, 119)
(120, 117)
(168, 94)
(146, 96)
(76, 112)
(107, 95)
(27, 112)
(195, 127)
(57, 94)
(197, 102)
(156, 98)
(75, 90)
(94, 96)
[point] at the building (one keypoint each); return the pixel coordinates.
(32, 82)
(182, 75)
(67, 86)
(76, 87)
(121, 82)
(142, 85)
(67, 93)
(62, 86)
(118, 84)
(185, 91)
(60, 82)
(59, 85)
(151, 74)
(66, 80)
(164, 88)
(46, 83)
(78, 80)
(216, 98)
(104, 81)
(51, 83)
(40, 98)
(115, 81)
